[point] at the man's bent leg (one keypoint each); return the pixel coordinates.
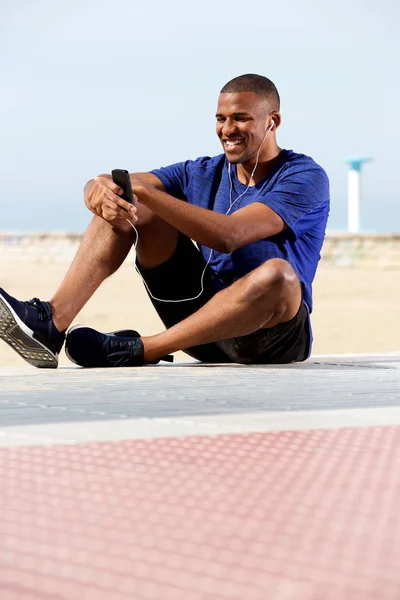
(102, 251)
(36, 329)
(268, 296)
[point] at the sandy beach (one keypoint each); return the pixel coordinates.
(355, 309)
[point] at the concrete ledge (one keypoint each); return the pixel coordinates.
(340, 248)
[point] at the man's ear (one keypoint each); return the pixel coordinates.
(273, 121)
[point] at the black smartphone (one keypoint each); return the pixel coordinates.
(122, 179)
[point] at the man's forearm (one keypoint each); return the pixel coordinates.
(204, 226)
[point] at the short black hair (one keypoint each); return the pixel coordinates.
(260, 85)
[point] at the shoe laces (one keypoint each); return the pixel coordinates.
(118, 359)
(120, 354)
(43, 308)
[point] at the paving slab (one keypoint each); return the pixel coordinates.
(202, 482)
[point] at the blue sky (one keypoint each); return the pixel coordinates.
(91, 86)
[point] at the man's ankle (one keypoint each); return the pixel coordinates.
(151, 353)
(59, 321)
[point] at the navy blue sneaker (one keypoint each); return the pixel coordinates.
(90, 348)
(29, 329)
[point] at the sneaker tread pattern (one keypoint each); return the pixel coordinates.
(27, 347)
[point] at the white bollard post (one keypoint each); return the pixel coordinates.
(354, 192)
(353, 201)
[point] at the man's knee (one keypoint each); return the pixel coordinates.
(275, 276)
(146, 217)
(157, 239)
(274, 287)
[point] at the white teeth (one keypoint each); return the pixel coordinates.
(235, 143)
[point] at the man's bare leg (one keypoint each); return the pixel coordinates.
(102, 251)
(269, 295)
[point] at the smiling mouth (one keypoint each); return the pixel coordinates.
(230, 145)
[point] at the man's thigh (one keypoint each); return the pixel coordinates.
(284, 343)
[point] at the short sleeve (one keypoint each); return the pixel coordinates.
(175, 178)
(299, 193)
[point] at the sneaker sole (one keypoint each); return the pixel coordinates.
(20, 338)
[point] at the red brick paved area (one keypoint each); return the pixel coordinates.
(309, 515)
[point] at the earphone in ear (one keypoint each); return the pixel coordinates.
(270, 127)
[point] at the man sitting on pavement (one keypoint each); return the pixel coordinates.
(258, 215)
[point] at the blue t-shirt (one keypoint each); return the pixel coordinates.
(296, 188)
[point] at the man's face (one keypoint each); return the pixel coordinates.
(241, 124)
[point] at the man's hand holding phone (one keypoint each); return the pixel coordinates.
(103, 197)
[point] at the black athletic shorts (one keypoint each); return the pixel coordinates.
(180, 277)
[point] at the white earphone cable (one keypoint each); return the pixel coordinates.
(231, 204)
